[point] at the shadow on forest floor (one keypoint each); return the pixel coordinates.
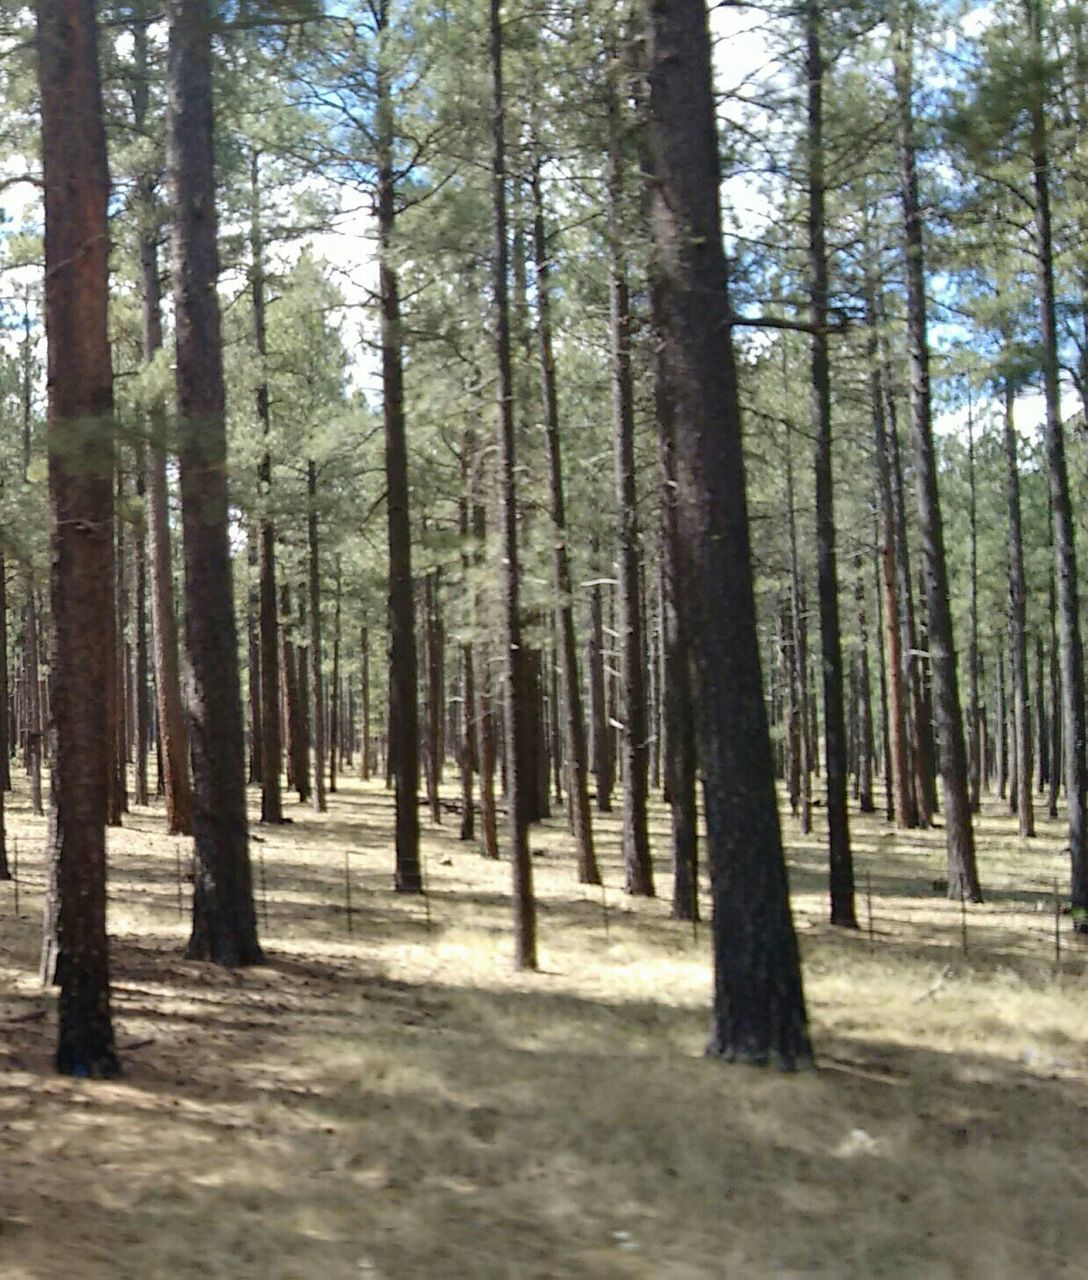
(395, 1101)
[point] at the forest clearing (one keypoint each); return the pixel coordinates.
(399, 1102)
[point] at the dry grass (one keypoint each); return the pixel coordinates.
(399, 1103)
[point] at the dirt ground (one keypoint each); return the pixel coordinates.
(387, 1098)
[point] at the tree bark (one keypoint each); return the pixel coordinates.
(573, 718)
(638, 868)
(317, 683)
(80, 440)
(841, 859)
(224, 920)
(403, 694)
(759, 1007)
(1071, 650)
(515, 726)
(960, 841)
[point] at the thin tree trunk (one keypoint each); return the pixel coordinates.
(638, 868)
(336, 710)
(800, 645)
(974, 763)
(1068, 595)
(841, 859)
(271, 747)
(403, 695)
(366, 760)
(960, 841)
(317, 683)
(598, 699)
(515, 727)
(573, 718)
(143, 735)
(1018, 642)
(1041, 730)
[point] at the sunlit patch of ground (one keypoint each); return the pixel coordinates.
(395, 1101)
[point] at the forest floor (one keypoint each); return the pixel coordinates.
(392, 1100)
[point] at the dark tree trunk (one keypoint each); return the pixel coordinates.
(1041, 729)
(403, 695)
(638, 868)
(81, 447)
(484, 724)
(841, 860)
(680, 760)
(33, 711)
(224, 920)
(865, 705)
(960, 840)
(974, 761)
(143, 735)
(317, 683)
(897, 763)
(118, 803)
(800, 647)
(1068, 595)
(336, 712)
(271, 745)
(515, 726)
(1018, 640)
(759, 1007)
(603, 768)
(294, 673)
(253, 651)
(433, 699)
(173, 734)
(366, 759)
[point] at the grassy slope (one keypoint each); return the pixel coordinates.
(399, 1103)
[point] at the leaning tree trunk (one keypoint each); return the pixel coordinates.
(81, 453)
(515, 728)
(224, 920)
(835, 753)
(960, 839)
(759, 1006)
(403, 694)
(573, 717)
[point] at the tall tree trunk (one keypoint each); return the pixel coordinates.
(1068, 595)
(601, 737)
(335, 707)
(33, 711)
(253, 650)
(574, 724)
(118, 803)
(224, 920)
(1018, 640)
(841, 860)
(403, 696)
(865, 708)
(974, 762)
(317, 683)
(1041, 731)
(800, 645)
(960, 840)
(897, 764)
(294, 671)
(81, 445)
(5, 758)
(759, 1007)
(433, 697)
(366, 760)
(638, 868)
(271, 739)
(143, 735)
(515, 726)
